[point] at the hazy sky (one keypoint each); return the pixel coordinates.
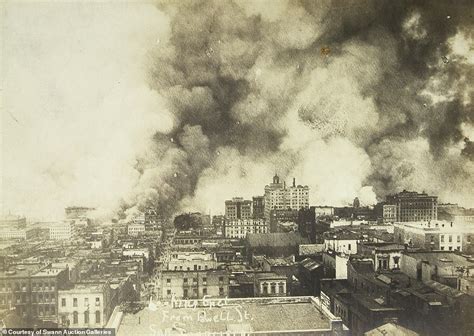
(181, 105)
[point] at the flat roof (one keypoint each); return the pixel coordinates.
(235, 315)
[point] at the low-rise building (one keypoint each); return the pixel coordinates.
(435, 235)
(343, 241)
(270, 284)
(386, 256)
(86, 305)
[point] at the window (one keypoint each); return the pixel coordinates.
(185, 280)
(281, 288)
(185, 293)
(221, 291)
(86, 316)
(75, 319)
(442, 238)
(63, 302)
(221, 279)
(97, 316)
(273, 288)
(195, 291)
(97, 301)
(204, 291)
(195, 267)
(195, 280)
(349, 247)
(86, 302)
(265, 288)
(168, 292)
(450, 238)
(74, 302)
(204, 281)
(168, 281)
(459, 239)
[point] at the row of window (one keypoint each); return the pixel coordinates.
(273, 287)
(195, 292)
(450, 238)
(23, 286)
(196, 268)
(75, 318)
(23, 298)
(195, 280)
(75, 302)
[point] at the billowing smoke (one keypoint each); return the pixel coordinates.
(353, 98)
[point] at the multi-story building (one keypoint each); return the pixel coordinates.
(389, 213)
(10, 233)
(435, 235)
(191, 261)
(386, 256)
(238, 208)
(135, 229)
(64, 230)
(85, 305)
(11, 221)
(240, 228)
(258, 207)
(31, 290)
(75, 212)
(194, 284)
(279, 197)
(411, 206)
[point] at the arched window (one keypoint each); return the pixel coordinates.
(265, 288)
(273, 288)
(97, 316)
(281, 287)
(86, 316)
(75, 317)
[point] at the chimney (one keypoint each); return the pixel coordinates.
(294, 182)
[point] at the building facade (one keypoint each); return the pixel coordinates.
(31, 290)
(411, 206)
(238, 208)
(191, 261)
(279, 197)
(135, 229)
(435, 235)
(258, 207)
(194, 284)
(84, 306)
(240, 228)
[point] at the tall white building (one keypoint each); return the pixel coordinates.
(63, 230)
(280, 197)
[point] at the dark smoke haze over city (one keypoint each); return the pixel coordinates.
(353, 98)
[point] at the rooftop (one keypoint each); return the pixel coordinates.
(233, 315)
(442, 257)
(276, 239)
(391, 329)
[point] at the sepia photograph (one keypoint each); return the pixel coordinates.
(237, 167)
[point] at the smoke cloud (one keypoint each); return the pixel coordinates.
(353, 98)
